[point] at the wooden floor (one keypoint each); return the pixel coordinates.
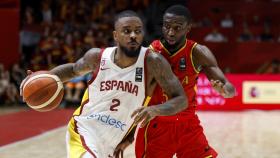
(249, 134)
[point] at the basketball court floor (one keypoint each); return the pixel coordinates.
(240, 134)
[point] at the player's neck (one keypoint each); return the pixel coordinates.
(173, 48)
(123, 61)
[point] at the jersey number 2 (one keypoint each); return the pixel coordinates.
(115, 103)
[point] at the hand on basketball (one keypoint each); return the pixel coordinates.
(221, 88)
(29, 72)
(144, 115)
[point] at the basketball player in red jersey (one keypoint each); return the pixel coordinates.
(182, 133)
(124, 76)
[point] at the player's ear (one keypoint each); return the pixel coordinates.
(189, 27)
(115, 35)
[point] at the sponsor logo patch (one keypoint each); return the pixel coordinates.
(139, 74)
(107, 120)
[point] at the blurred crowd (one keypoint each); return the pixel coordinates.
(263, 35)
(240, 20)
(9, 84)
(53, 32)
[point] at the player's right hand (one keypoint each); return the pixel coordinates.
(144, 114)
(29, 72)
(225, 90)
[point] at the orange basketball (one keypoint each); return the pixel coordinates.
(43, 91)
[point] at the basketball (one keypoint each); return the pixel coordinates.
(43, 91)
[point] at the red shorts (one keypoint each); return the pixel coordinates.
(165, 136)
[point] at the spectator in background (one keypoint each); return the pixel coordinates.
(246, 35)
(28, 37)
(8, 91)
(266, 36)
(272, 67)
(3, 84)
(89, 40)
(28, 16)
(215, 36)
(256, 20)
(46, 12)
(69, 39)
(227, 22)
(56, 55)
(267, 21)
(206, 22)
(17, 75)
(74, 88)
(275, 66)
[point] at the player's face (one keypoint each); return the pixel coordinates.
(129, 35)
(174, 28)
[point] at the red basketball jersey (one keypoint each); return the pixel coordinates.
(183, 67)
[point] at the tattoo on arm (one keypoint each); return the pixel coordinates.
(87, 63)
(160, 69)
(64, 72)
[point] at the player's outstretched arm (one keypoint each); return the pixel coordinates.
(87, 63)
(204, 59)
(68, 71)
(160, 71)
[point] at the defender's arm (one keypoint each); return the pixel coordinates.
(203, 58)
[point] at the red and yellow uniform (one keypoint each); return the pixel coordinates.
(182, 133)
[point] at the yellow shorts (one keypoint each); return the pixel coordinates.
(75, 148)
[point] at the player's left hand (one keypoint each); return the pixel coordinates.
(118, 152)
(144, 115)
(222, 88)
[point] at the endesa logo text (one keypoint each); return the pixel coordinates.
(107, 119)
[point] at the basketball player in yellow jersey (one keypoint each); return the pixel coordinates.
(123, 77)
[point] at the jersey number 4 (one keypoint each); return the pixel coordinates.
(115, 104)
